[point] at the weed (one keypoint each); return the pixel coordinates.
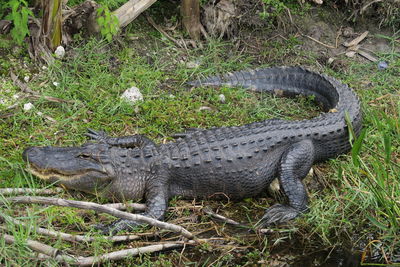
(19, 16)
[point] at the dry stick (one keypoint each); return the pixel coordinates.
(100, 208)
(65, 236)
(208, 211)
(20, 191)
(117, 255)
(41, 248)
(321, 43)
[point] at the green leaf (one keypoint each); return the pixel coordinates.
(388, 147)
(355, 151)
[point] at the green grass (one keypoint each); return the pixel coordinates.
(359, 199)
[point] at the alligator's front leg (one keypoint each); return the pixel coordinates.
(156, 206)
(294, 166)
(130, 141)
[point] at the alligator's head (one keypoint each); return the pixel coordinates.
(86, 168)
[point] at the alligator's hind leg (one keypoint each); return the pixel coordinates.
(130, 141)
(294, 166)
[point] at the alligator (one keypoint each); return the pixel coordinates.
(235, 162)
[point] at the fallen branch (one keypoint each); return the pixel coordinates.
(99, 208)
(21, 191)
(41, 248)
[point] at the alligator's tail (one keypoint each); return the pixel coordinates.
(289, 81)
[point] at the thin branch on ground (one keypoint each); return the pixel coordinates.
(209, 212)
(125, 206)
(99, 208)
(65, 236)
(118, 255)
(41, 248)
(23, 191)
(319, 42)
(160, 30)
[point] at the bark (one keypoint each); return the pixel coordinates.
(190, 11)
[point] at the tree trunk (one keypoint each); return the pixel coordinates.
(51, 23)
(190, 11)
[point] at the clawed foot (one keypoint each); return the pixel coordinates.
(99, 136)
(277, 214)
(117, 226)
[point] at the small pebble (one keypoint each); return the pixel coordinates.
(382, 65)
(28, 106)
(222, 98)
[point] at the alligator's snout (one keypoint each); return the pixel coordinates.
(30, 152)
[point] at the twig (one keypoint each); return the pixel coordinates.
(41, 248)
(20, 191)
(321, 43)
(117, 255)
(208, 211)
(99, 208)
(158, 28)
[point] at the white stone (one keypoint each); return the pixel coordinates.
(60, 52)
(132, 95)
(28, 106)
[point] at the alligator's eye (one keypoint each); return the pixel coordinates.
(84, 156)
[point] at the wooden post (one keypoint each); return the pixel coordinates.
(190, 11)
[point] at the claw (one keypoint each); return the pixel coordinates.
(99, 136)
(276, 214)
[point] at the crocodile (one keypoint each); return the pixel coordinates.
(235, 162)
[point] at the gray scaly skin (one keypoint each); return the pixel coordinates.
(238, 162)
